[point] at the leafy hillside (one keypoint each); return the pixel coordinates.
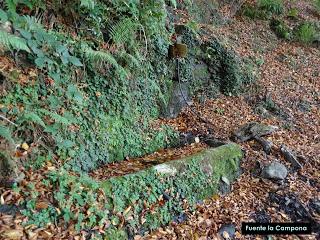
(81, 83)
(87, 90)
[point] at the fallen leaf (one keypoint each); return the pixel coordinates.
(13, 234)
(42, 205)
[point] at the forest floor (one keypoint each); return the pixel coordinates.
(289, 80)
(286, 94)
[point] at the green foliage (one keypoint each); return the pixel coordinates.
(252, 12)
(74, 196)
(12, 42)
(32, 117)
(101, 57)
(280, 28)
(305, 33)
(173, 3)
(271, 6)
(316, 4)
(5, 133)
(123, 31)
(263, 10)
(90, 4)
(293, 13)
(229, 74)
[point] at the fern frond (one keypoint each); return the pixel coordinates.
(10, 41)
(33, 23)
(100, 56)
(32, 117)
(11, 5)
(123, 31)
(130, 59)
(173, 3)
(87, 4)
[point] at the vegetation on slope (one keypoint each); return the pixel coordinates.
(80, 83)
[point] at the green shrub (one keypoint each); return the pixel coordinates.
(305, 33)
(252, 12)
(271, 6)
(280, 28)
(293, 13)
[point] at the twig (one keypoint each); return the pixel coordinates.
(6, 119)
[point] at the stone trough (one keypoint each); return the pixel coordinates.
(153, 197)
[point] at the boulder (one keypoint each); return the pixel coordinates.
(275, 170)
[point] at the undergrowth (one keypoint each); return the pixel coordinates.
(83, 92)
(87, 103)
(305, 32)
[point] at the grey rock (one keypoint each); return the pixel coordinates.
(315, 205)
(211, 142)
(227, 231)
(10, 209)
(291, 157)
(178, 99)
(266, 144)
(224, 186)
(251, 130)
(225, 180)
(275, 170)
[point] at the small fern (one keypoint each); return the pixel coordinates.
(123, 31)
(10, 42)
(100, 57)
(6, 133)
(305, 33)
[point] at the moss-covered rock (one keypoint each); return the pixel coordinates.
(153, 197)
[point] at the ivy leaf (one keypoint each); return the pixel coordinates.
(64, 59)
(40, 62)
(66, 144)
(55, 116)
(74, 94)
(75, 61)
(61, 48)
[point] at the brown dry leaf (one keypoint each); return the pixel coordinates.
(12, 234)
(42, 205)
(32, 235)
(127, 210)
